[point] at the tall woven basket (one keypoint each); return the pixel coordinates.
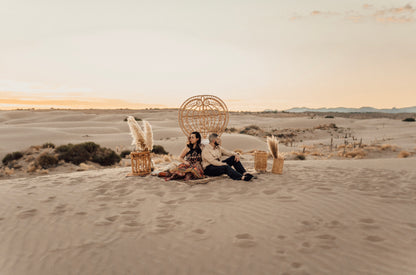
(141, 164)
(278, 165)
(260, 161)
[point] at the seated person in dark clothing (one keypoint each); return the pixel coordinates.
(213, 166)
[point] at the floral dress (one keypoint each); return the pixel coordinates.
(193, 170)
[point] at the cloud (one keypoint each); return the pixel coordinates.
(401, 14)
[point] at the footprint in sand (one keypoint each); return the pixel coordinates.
(412, 225)
(326, 237)
(49, 199)
(199, 234)
(130, 226)
(368, 223)
(27, 213)
(130, 212)
(296, 265)
(112, 218)
(374, 239)
(106, 221)
(81, 213)
(59, 210)
(327, 241)
(244, 240)
(269, 191)
(281, 253)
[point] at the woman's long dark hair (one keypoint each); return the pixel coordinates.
(198, 142)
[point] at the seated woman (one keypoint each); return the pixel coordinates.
(191, 167)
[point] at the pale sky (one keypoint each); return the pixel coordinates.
(254, 55)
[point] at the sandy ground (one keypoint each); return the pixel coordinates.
(330, 216)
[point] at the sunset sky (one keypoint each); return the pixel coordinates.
(255, 54)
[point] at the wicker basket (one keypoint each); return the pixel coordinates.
(278, 166)
(260, 161)
(141, 164)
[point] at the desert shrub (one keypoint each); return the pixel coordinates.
(137, 119)
(158, 149)
(329, 116)
(409, 119)
(90, 146)
(125, 153)
(300, 157)
(47, 160)
(403, 154)
(48, 145)
(12, 156)
(75, 154)
(105, 157)
(251, 130)
(63, 148)
(87, 151)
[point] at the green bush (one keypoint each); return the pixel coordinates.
(47, 160)
(12, 156)
(409, 119)
(48, 145)
(105, 157)
(125, 153)
(158, 149)
(137, 119)
(329, 116)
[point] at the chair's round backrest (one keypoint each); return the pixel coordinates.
(203, 113)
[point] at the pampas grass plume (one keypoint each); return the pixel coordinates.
(148, 134)
(273, 144)
(137, 133)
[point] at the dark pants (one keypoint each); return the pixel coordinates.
(212, 170)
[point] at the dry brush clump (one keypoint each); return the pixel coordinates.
(404, 154)
(47, 160)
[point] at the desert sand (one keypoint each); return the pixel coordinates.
(346, 209)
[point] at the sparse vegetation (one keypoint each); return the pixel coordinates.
(48, 145)
(136, 118)
(300, 157)
(11, 156)
(158, 149)
(47, 160)
(403, 154)
(105, 157)
(125, 153)
(87, 151)
(409, 119)
(329, 116)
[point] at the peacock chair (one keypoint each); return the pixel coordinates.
(203, 113)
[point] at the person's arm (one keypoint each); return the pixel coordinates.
(227, 152)
(183, 154)
(230, 153)
(209, 158)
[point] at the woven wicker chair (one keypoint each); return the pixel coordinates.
(203, 113)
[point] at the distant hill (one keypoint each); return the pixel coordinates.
(354, 110)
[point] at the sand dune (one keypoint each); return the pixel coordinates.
(319, 217)
(333, 216)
